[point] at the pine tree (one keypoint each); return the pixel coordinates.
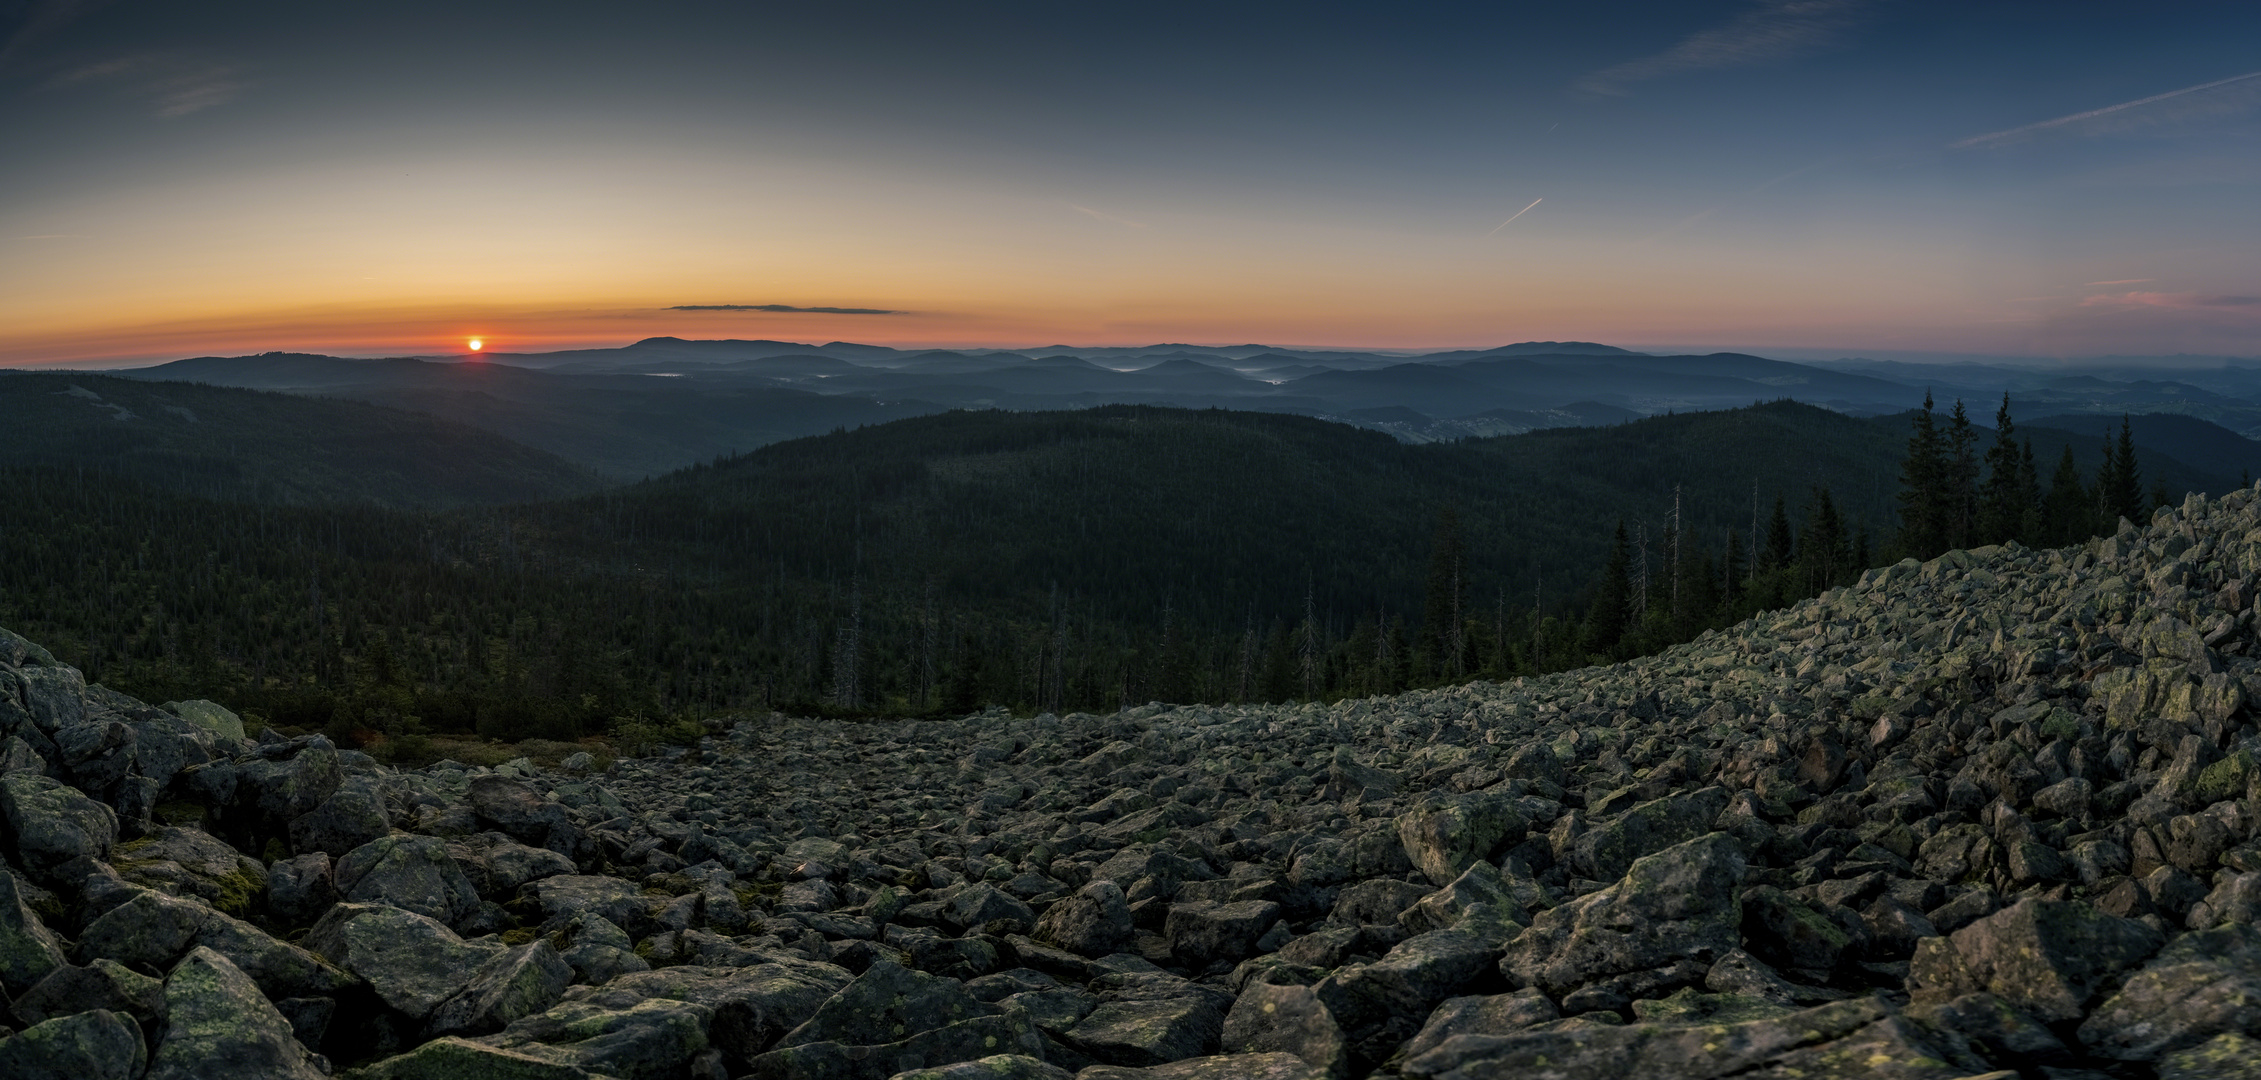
(1825, 551)
(1923, 488)
(1442, 607)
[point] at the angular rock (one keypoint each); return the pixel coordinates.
(2223, 1057)
(1093, 921)
(1146, 1020)
(413, 873)
(2045, 958)
(51, 823)
(962, 1041)
(753, 1007)
(1678, 905)
(1205, 932)
(96, 1045)
(1275, 1066)
(650, 1040)
(454, 1058)
(152, 931)
(524, 815)
(1606, 852)
(886, 1003)
(192, 862)
(1287, 1019)
(1497, 1014)
(218, 1024)
(499, 866)
(412, 961)
(29, 951)
(1850, 1040)
(1444, 837)
(2201, 985)
(104, 984)
(598, 951)
(352, 816)
(217, 719)
(520, 982)
(993, 1067)
(299, 890)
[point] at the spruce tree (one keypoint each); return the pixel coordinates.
(1961, 510)
(2068, 509)
(1779, 542)
(1923, 488)
(2003, 505)
(1447, 554)
(1613, 597)
(2120, 486)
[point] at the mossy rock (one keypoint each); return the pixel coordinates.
(2225, 779)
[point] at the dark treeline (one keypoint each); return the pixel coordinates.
(1042, 561)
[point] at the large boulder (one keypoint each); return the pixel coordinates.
(520, 982)
(409, 872)
(499, 866)
(1094, 920)
(1009, 1031)
(192, 862)
(455, 1058)
(2201, 985)
(51, 823)
(217, 1023)
(412, 961)
(650, 1040)
(2046, 958)
(519, 812)
(1673, 911)
(96, 1045)
(1150, 1018)
(350, 817)
(1287, 1019)
(1606, 851)
(1849, 1040)
(885, 1003)
(29, 951)
(103, 984)
(215, 718)
(1444, 837)
(1204, 932)
(152, 931)
(753, 1006)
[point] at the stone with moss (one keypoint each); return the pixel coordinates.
(993, 1067)
(1849, 1040)
(217, 1023)
(650, 1040)
(94, 1045)
(412, 961)
(211, 716)
(191, 862)
(29, 951)
(152, 930)
(2228, 1056)
(456, 1058)
(103, 984)
(51, 823)
(1689, 1005)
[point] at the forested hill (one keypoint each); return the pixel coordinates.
(1049, 560)
(262, 447)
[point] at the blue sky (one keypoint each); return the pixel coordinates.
(2046, 179)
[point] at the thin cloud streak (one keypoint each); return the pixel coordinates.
(1775, 31)
(786, 308)
(1512, 217)
(2234, 94)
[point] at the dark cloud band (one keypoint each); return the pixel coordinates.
(785, 308)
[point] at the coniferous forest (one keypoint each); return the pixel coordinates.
(1042, 561)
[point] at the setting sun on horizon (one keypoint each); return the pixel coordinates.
(478, 344)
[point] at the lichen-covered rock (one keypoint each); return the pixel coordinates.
(1008, 1032)
(752, 1006)
(1205, 932)
(1496, 1014)
(95, 1045)
(993, 1067)
(153, 930)
(1446, 836)
(2046, 958)
(456, 1058)
(1676, 906)
(1851, 1040)
(413, 873)
(598, 951)
(2224, 1057)
(51, 823)
(1287, 1019)
(350, 817)
(650, 1040)
(523, 814)
(215, 718)
(1607, 851)
(520, 982)
(29, 951)
(1274, 1066)
(2201, 985)
(412, 961)
(1094, 920)
(103, 984)
(499, 866)
(1150, 1019)
(217, 1023)
(886, 1003)
(192, 862)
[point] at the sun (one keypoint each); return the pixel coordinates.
(478, 344)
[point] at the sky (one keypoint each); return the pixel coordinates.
(2048, 179)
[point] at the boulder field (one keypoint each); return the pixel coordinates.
(1990, 815)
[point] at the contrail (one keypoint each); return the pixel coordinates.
(1512, 217)
(2003, 136)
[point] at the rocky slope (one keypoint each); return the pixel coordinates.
(1992, 812)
